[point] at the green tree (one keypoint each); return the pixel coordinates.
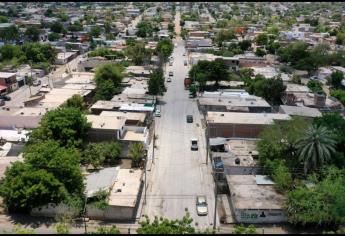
(137, 53)
(66, 125)
(145, 29)
(137, 152)
(278, 141)
(108, 78)
(336, 78)
(156, 83)
(322, 204)
(98, 154)
(339, 94)
(223, 36)
(241, 229)
(10, 34)
(165, 226)
(53, 36)
(165, 48)
(32, 33)
(95, 31)
(245, 44)
(106, 230)
(61, 162)
(57, 27)
(261, 39)
(314, 86)
(260, 52)
(316, 147)
(49, 13)
(3, 19)
(270, 89)
(76, 101)
(24, 188)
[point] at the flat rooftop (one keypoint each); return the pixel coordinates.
(247, 194)
(238, 148)
(131, 135)
(128, 182)
(31, 111)
(297, 88)
(14, 135)
(101, 180)
(127, 115)
(106, 105)
(245, 118)
(234, 101)
(80, 86)
(300, 111)
(106, 122)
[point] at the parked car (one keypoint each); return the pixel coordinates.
(201, 205)
(169, 79)
(5, 97)
(185, 62)
(184, 54)
(45, 85)
(158, 113)
(194, 146)
(170, 63)
(171, 73)
(189, 119)
(2, 102)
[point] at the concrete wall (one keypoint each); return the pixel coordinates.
(111, 213)
(99, 135)
(256, 216)
(235, 130)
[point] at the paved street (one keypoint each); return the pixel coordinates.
(179, 174)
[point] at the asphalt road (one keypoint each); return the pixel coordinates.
(179, 174)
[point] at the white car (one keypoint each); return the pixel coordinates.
(169, 79)
(201, 206)
(158, 113)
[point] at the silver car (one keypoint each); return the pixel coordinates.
(201, 205)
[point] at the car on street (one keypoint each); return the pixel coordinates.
(158, 113)
(2, 102)
(189, 119)
(45, 85)
(194, 144)
(169, 79)
(185, 62)
(170, 63)
(5, 97)
(201, 205)
(171, 73)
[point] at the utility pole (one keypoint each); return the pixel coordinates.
(207, 141)
(145, 180)
(215, 201)
(85, 227)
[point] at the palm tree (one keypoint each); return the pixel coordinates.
(137, 152)
(316, 147)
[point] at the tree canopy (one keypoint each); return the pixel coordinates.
(156, 82)
(67, 125)
(108, 78)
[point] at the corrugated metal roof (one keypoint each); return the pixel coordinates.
(101, 180)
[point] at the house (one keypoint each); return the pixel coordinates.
(64, 57)
(232, 100)
(124, 187)
(9, 80)
(254, 199)
(234, 156)
(301, 111)
(105, 128)
(240, 124)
